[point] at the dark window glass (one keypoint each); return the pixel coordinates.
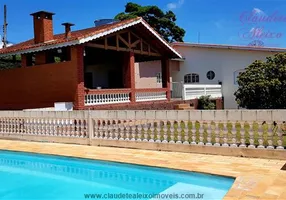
(191, 78)
(210, 75)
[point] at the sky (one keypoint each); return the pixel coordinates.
(232, 22)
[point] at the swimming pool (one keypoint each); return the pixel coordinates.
(36, 176)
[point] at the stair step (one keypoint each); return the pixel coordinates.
(177, 106)
(190, 108)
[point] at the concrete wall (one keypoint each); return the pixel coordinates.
(192, 115)
(145, 73)
(224, 62)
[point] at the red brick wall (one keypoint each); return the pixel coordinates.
(43, 29)
(80, 93)
(40, 58)
(155, 105)
(40, 85)
(219, 104)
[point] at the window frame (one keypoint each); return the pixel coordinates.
(158, 77)
(209, 73)
(191, 78)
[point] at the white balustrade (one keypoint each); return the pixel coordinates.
(267, 136)
(228, 135)
(242, 135)
(186, 133)
(150, 96)
(193, 91)
(109, 98)
(209, 135)
(44, 127)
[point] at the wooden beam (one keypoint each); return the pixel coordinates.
(119, 32)
(141, 45)
(105, 43)
(124, 41)
(129, 39)
(101, 46)
(138, 37)
(147, 43)
(117, 42)
(147, 53)
(135, 43)
(154, 50)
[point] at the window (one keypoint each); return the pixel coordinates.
(30, 59)
(159, 77)
(210, 75)
(58, 55)
(191, 78)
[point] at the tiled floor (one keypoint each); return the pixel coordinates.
(255, 178)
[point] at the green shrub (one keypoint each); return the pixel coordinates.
(205, 103)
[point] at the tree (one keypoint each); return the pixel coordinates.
(263, 84)
(8, 62)
(163, 23)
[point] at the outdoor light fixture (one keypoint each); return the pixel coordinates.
(59, 50)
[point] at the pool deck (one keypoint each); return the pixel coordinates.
(255, 178)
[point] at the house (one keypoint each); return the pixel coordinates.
(213, 69)
(94, 68)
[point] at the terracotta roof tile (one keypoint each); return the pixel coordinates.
(60, 38)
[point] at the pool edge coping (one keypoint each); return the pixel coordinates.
(71, 155)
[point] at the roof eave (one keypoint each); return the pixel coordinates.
(96, 36)
(211, 46)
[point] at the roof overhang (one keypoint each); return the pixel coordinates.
(233, 47)
(96, 36)
(179, 59)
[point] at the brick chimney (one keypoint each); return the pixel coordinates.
(43, 26)
(67, 26)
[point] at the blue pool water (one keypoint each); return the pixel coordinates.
(36, 176)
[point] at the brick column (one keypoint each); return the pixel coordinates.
(219, 104)
(80, 93)
(40, 58)
(129, 74)
(166, 76)
(23, 60)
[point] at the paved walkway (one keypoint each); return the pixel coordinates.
(255, 178)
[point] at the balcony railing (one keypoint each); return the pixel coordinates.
(154, 94)
(106, 96)
(193, 91)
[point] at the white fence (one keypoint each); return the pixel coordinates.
(87, 127)
(150, 96)
(193, 91)
(193, 115)
(111, 98)
(222, 134)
